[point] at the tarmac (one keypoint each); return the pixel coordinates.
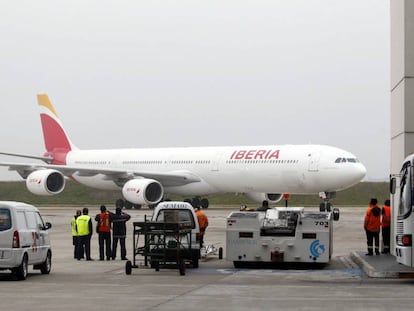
(382, 266)
(357, 283)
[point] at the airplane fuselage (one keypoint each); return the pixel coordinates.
(295, 169)
(145, 176)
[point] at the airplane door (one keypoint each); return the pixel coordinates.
(314, 161)
(216, 161)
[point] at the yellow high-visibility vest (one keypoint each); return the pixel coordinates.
(83, 225)
(74, 227)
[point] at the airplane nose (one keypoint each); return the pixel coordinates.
(360, 171)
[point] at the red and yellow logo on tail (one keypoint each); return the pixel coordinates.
(57, 143)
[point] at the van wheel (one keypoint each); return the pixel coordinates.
(47, 264)
(22, 270)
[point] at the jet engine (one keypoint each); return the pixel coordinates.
(260, 197)
(45, 182)
(143, 191)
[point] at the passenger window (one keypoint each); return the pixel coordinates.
(5, 219)
(21, 220)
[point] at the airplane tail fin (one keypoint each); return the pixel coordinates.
(57, 142)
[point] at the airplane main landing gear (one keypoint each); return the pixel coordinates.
(128, 205)
(204, 203)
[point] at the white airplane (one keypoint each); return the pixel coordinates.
(147, 175)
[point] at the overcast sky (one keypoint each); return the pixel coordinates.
(132, 73)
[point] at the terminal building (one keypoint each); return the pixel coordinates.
(402, 89)
(402, 82)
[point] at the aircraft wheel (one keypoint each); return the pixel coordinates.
(128, 205)
(196, 202)
(204, 203)
(137, 206)
(220, 254)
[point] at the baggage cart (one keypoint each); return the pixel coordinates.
(162, 245)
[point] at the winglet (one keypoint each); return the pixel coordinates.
(56, 140)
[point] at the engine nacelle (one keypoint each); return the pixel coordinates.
(45, 182)
(143, 191)
(260, 197)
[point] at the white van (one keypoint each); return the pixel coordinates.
(24, 239)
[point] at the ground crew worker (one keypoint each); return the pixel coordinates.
(75, 233)
(386, 226)
(103, 228)
(119, 220)
(202, 222)
(84, 225)
(372, 226)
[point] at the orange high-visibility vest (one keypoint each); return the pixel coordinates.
(104, 223)
(202, 221)
(386, 216)
(372, 221)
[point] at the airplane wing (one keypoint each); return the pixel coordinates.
(28, 156)
(167, 179)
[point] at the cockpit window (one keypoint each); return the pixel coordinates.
(344, 160)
